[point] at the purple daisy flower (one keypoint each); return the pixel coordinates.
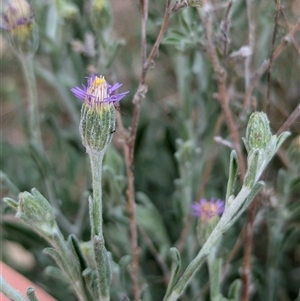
(98, 91)
(206, 210)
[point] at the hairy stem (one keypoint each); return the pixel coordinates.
(96, 158)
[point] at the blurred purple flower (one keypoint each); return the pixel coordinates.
(98, 91)
(16, 14)
(206, 210)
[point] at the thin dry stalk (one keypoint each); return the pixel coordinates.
(278, 5)
(294, 115)
(221, 81)
(265, 65)
(251, 41)
(130, 137)
(156, 255)
(225, 29)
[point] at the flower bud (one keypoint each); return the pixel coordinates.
(101, 15)
(208, 213)
(98, 115)
(21, 28)
(258, 132)
(37, 212)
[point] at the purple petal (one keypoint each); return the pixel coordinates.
(115, 98)
(78, 92)
(114, 87)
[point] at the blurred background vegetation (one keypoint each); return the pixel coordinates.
(177, 161)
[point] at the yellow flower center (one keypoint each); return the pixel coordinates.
(97, 92)
(99, 81)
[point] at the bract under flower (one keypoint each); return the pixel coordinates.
(98, 91)
(206, 210)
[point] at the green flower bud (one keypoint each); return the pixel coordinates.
(101, 15)
(258, 132)
(37, 212)
(97, 126)
(21, 28)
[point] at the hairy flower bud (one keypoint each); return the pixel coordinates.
(37, 212)
(258, 132)
(22, 31)
(98, 115)
(97, 126)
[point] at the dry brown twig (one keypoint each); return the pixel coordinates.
(251, 41)
(251, 212)
(265, 65)
(290, 120)
(225, 26)
(278, 7)
(156, 255)
(129, 137)
(222, 89)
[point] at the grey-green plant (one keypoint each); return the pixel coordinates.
(78, 213)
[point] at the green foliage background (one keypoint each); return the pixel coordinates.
(177, 160)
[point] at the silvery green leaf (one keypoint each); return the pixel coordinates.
(11, 202)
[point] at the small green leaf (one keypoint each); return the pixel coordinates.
(11, 202)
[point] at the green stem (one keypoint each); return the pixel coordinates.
(221, 227)
(100, 253)
(96, 158)
(33, 111)
(10, 292)
(215, 274)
